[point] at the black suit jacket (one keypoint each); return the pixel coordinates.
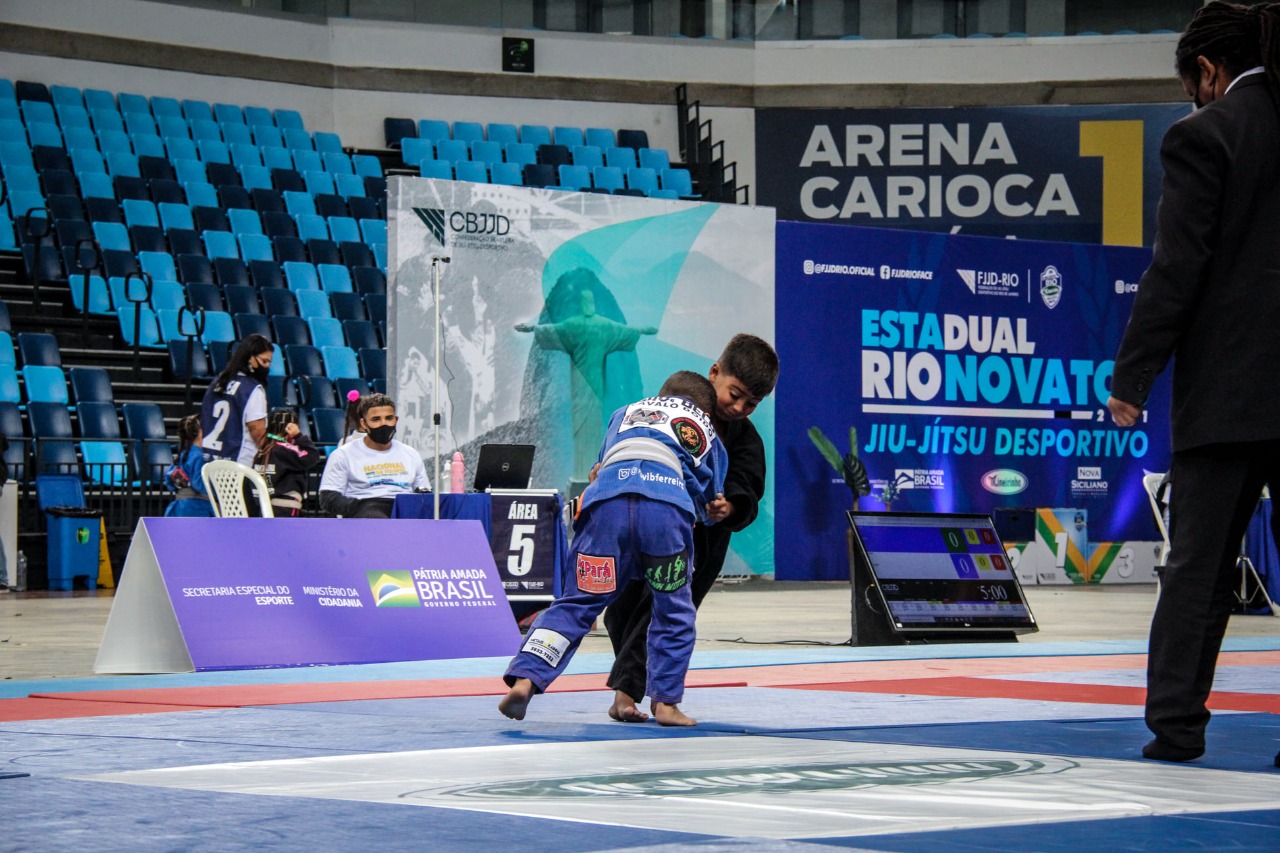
(1211, 297)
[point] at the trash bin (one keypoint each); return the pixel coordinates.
(74, 531)
(74, 540)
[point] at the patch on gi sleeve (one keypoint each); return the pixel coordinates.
(596, 575)
(666, 574)
(546, 644)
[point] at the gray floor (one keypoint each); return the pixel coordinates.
(56, 635)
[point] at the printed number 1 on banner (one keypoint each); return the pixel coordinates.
(1119, 144)
(1060, 546)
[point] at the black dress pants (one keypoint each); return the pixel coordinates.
(1215, 490)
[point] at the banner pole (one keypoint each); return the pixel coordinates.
(435, 284)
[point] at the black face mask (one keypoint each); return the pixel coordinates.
(260, 374)
(381, 434)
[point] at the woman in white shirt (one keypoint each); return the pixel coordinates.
(362, 478)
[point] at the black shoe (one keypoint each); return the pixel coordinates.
(1158, 750)
(1278, 759)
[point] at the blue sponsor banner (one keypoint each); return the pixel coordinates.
(975, 372)
(1081, 173)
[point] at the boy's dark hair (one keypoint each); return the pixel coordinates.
(694, 387)
(752, 361)
(374, 401)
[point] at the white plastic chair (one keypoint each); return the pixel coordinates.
(1151, 482)
(225, 480)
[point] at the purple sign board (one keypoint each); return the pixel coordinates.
(251, 593)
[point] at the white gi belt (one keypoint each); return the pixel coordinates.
(642, 450)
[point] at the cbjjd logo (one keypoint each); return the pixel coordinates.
(433, 218)
(1051, 286)
(1004, 481)
(773, 779)
(690, 435)
(666, 574)
(596, 575)
(393, 589)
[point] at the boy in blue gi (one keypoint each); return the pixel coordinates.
(661, 464)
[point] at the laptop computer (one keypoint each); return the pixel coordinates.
(504, 466)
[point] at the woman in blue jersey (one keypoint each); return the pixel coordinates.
(233, 416)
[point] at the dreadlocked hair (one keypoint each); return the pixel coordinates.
(1241, 37)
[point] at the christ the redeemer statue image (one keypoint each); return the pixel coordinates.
(588, 339)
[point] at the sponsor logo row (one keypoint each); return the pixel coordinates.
(979, 282)
(1088, 481)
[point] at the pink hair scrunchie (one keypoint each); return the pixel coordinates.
(353, 395)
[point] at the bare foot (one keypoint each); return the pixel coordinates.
(516, 702)
(624, 709)
(671, 715)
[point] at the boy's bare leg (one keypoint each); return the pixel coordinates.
(624, 709)
(671, 715)
(516, 702)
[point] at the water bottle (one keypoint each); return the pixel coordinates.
(20, 581)
(456, 469)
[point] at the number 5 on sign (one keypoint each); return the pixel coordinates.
(520, 560)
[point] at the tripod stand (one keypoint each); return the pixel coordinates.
(1250, 572)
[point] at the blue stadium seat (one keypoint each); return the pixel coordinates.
(368, 280)
(11, 427)
(678, 180)
(374, 231)
(255, 177)
(334, 278)
(575, 177)
(340, 363)
(255, 247)
(277, 158)
(241, 298)
(327, 425)
(535, 134)
(159, 265)
(218, 327)
(348, 185)
(311, 226)
(452, 150)
(361, 334)
(164, 294)
(654, 158)
(307, 161)
(326, 332)
(373, 363)
(51, 430)
(348, 306)
(177, 324)
(151, 452)
(172, 215)
(486, 151)
(568, 136)
(366, 165)
(623, 158)
(587, 155)
(133, 104)
(318, 182)
(300, 276)
(326, 143)
(313, 303)
(220, 244)
(279, 302)
(645, 180)
(344, 228)
(608, 178)
(472, 172)
(337, 163)
(39, 348)
(522, 153)
(290, 330)
(180, 351)
(303, 360)
(539, 175)
(244, 221)
(413, 151)
(265, 274)
(205, 129)
(433, 129)
(91, 385)
(396, 130)
(138, 212)
(439, 169)
(268, 137)
(44, 384)
(252, 324)
(636, 139)
(503, 133)
(9, 390)
(600, 137)
(468, 131)
(288, 119)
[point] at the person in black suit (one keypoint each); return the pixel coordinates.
(1211, 301)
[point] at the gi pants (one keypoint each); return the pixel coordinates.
(618, 540)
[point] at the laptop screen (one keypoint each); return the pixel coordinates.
(504, 466)
(941, 571)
